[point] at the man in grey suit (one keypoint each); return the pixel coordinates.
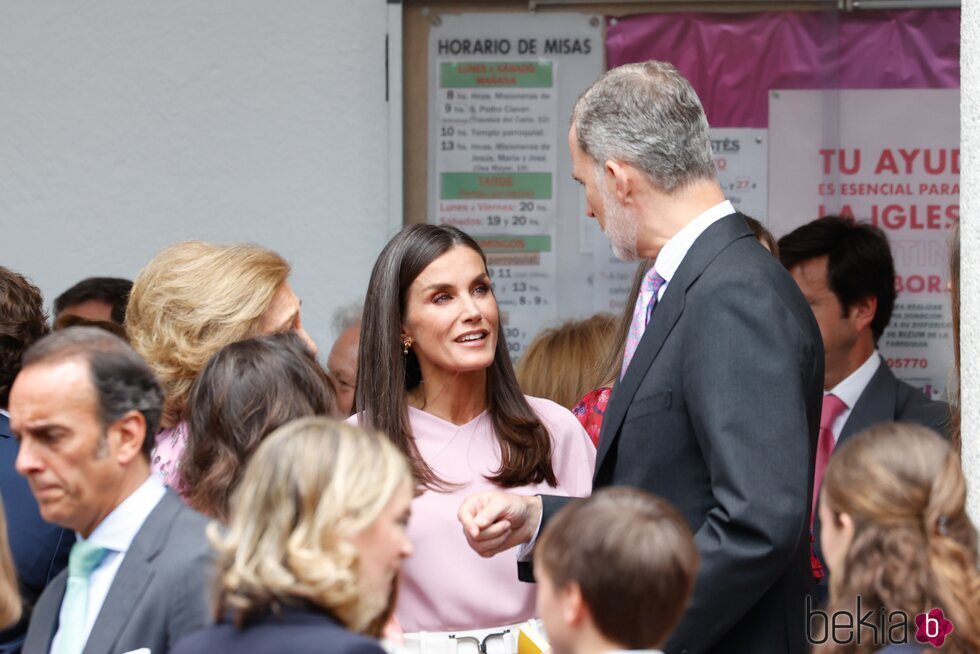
(718, 404)
(845, 270)
(85, 408)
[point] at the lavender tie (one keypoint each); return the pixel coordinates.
(645, 302)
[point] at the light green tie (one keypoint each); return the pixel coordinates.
(83, 559)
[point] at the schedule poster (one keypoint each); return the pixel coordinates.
(870, 155)
(495, 167)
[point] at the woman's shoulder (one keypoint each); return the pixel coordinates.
(551, 412)
(297, 633)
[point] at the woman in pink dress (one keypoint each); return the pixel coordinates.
(192, 299)
(435, 376)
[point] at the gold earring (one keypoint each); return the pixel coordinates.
(406, 344)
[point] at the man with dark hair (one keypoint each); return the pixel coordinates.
(95, 299)
(846, 273)
(85, 408)
(635, 597)
(40, 549)
(718, 402)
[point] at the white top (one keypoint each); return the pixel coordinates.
(674, 250)
(849, 390)
(115, 533)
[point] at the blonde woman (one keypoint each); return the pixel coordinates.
(192, 299)
(565, 362)
(314, 544)
(896, 534)
(10, 607)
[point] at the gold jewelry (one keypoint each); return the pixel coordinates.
(406, 344)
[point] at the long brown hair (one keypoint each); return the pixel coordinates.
(385, 374)
(914, 548)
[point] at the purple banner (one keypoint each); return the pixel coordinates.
(733, 60)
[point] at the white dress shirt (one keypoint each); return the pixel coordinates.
(668, 261)
(849, 390)
(675, 249)
(115, 533)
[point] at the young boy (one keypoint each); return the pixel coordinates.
(614, 572)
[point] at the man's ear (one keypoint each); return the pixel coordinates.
(623, 178)
(862, 312)
(573, 607)
(128, 434)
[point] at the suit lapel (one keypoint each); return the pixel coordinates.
(665, 316)
(49, 613)
(133, 576)
(875, 405)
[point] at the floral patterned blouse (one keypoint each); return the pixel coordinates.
(167, 454)
(590, 411)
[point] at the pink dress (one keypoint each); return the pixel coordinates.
(445, 585)
(167, 454)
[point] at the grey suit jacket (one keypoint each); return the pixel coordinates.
(886, 399)
(718, 413)
(160, 593)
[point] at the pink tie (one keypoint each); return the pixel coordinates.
(645, 302)
(833, 406)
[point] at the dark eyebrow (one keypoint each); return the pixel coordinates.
(483, 276)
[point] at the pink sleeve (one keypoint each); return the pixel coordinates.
(573, 457)
(168, 452)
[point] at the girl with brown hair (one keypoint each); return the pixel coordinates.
(247, 390)
(896, 534)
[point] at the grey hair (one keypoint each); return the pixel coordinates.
(347, 316)
(646, 115)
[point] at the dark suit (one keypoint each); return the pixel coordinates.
(294, 630)
(159, 594)
(40, 549)
(718, 413)
(886, 399)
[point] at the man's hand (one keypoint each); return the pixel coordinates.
(494, 522)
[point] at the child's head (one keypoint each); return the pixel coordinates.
(895, 531)
(617, 567)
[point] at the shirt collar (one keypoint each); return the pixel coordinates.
(850, 388)
(4, 413)
(117, 531)
(674, 250)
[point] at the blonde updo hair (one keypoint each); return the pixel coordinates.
(310, 487)
(192, 299)
(914, 548)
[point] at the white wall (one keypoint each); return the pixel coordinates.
(126, 125)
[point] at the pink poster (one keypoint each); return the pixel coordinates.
(733, 60)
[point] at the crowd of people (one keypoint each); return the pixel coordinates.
(725, 468)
